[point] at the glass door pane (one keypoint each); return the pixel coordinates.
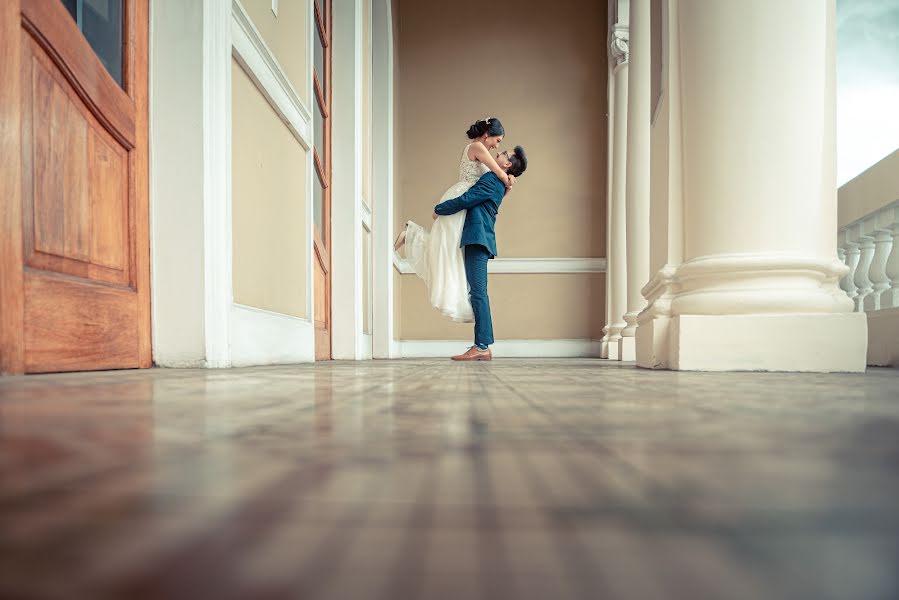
(101, 23)
(318, 206)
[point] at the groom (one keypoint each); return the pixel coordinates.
(482, 201)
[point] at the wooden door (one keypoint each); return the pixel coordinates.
(321, 121)
(74, 249)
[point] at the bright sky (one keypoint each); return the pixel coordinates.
(867, 84)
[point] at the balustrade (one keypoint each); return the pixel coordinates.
(869, 248)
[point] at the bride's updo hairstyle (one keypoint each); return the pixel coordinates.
(491, 126)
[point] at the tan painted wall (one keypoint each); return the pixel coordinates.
(286, 36)
(873, 189)
(542, 70)
(269, 178)
(524, 307)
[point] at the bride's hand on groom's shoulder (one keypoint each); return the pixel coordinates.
(511, 182)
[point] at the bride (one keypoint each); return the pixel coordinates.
(436, 256)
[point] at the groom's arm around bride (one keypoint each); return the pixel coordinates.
(488, 187)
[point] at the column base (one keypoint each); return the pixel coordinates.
(828, 342)
(627, 349)
(604, 348)
(652, 343)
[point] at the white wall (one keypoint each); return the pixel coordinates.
(176, 183)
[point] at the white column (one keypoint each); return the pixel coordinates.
(754, 291)
(883, 242)
(617, 252)
(637, 176)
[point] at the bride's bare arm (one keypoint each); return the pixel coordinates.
(483, 155)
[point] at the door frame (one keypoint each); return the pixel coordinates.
(322, 101)
(384, 344)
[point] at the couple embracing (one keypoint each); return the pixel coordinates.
(452, 258)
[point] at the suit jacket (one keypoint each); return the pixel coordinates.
(482, 202)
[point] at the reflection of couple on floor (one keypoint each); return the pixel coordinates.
(452, 258)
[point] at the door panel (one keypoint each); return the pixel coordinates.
(94, 326)
(77, 194)
(80, 213)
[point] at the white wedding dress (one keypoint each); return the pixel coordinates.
(436, 256)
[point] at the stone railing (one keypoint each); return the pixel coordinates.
(869, 248)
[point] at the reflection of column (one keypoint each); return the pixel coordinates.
(637, 176)
(617, 263)
(754, 291)
(883, 242)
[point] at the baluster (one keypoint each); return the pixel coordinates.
(851, 252)
(883, 242)
(890, 298)
(862, 282)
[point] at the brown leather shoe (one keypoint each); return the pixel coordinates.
(475, 353)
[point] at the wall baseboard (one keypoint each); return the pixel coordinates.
(502, 348)
(261, 337)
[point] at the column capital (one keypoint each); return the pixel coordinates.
(619, 42)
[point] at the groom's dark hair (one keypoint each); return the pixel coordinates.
(519, 162)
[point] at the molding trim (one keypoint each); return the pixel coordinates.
(260, 64)
(502, 348)
(526, 265)
(262, 337)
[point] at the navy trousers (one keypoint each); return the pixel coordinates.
(476, 257)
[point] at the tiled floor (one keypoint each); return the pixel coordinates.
(428, 479)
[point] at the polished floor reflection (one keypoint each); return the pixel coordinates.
(397, 480)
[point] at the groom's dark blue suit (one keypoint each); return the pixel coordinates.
(482, 202)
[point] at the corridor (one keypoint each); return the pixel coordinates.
(391, 480)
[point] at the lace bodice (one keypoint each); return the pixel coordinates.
(470, 170)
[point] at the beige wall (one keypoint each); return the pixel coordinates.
(269, 178)
(286, 36)
(541, 68)
(524, 307)
(873, 189)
